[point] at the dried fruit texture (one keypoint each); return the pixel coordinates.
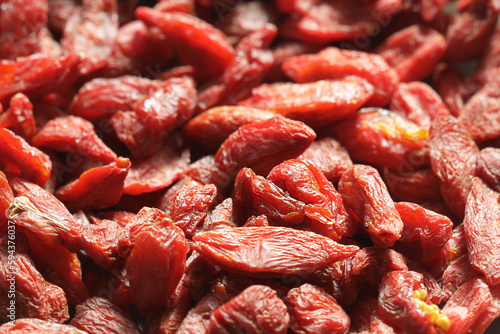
(424, 233)
(19, 117)
(98, 315)
(454, 248)
(92, 32)
(43, 214)
(384, 138)
(100, 97)
(158, 171)
(255, 310)
(419, 103)
(255, 195)
(37, 75)
(312, 310)
(487, 69)
(324, 211)
(488, 167)
(284, 51)
(248, 69)
(404, 304)
(168, 319)
(168, 107)
(453, 156)
(472, 307)
(97, 188)
(210, 128)
(63, 270)
(155, 266)
(207, 171)
(264, 144)
(431, 285)
(366, 195)
(184, 6)
(469, 32)
(34, 296)
(329, 157)
(366, 318)
(195, 41)
(221, 216)
(73, 134)
(30, 325)
(191, 205)
(456, 274)
(20, 26)
(270, 251)
(197, 319)
(315, 103)
(22, 159)
(333, 63)
(418, 186)
(481, 113)
(448, 84)
(100, 242)
(482, 214)
(413, 52)
(156, 115)
(140, 47)
(325, 21)
(6, 197)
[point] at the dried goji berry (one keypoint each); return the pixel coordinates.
(419, 103)
(32, 325)
(481, 114)
(22, 22)
(384, 138)
(255, 195)
(413, 186)
(324, 211)
(481, 233)
(456, 274)
(312, 310)
(282, 250)
(195, 41)
(91, 32)
(472, 307)
(190, 207)
(43, 214)
(73, 134)
(100, 97)
(262, 145)
(315, 103)
(158, 171)
(98, 315)
(255, 310)
(403, 304)
(158, 257)
(453, 156)
(333, 63)
(197, 319)
(210, 128)
(488, 167)
(220, 217)
(366, 195)
(413, 52)
(19, 117)
(448, 84)
(366, 318)
(325, 21)
(34, 296)
(424, 232)
(20, 158)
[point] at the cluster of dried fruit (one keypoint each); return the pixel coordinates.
(217, 166)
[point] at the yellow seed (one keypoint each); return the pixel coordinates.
(443, 322)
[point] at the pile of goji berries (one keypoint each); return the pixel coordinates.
(231, 166)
